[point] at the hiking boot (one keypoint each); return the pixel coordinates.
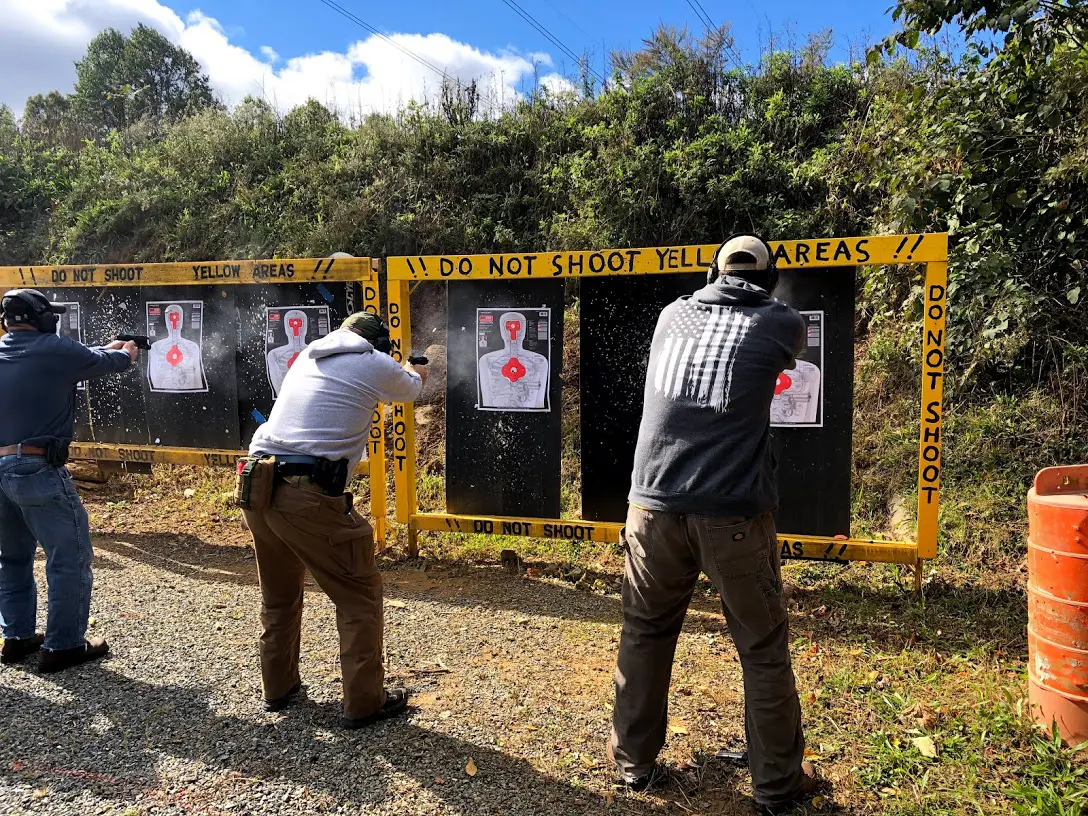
(280, 703)
(810, 783)
(61, 659)
(396, 702)
(18, 650)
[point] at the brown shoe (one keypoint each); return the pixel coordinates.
(16, 651)
(61, 659)
(810, 783)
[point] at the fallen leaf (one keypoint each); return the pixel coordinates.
(471, 768)
(397, 604)
(445, 715)
(678, 727)
(818, 802)
(873, 676)
(189, 493)
(91, 621)
(438, 780)
(925, 746)
(521, 620)
(609, 798)
(821, 612)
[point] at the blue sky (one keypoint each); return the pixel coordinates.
(287, 51)
(293, 27)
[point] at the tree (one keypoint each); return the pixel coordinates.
(47, 118)
(123, 80)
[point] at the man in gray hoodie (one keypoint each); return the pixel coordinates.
(321, 422)
(702, 497)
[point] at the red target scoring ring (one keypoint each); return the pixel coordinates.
(513, 370)
(783, 383)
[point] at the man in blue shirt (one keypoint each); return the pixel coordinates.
(39, 371)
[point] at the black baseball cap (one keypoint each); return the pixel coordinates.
(17, 302)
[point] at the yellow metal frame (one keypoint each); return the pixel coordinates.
(363, 271)
(930, 249)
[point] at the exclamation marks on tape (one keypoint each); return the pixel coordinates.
(422, 266)
(914, 247)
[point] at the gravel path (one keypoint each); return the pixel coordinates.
(511, 674)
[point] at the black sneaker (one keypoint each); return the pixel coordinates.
(396, 702)
(16, 651)
(280, 703)
(61, 659)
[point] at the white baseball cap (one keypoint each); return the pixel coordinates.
(744, 245)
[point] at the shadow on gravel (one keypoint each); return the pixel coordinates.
(490, 588)
(260, 763)
(181, 554)
(117, 739)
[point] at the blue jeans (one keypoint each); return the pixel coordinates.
(39, 502)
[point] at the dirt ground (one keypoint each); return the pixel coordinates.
(512, 684)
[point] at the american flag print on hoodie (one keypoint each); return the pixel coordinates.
(699, 353)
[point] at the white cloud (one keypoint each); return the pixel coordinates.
(41, 39)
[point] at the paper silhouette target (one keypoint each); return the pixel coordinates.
(70, 324)
(798, 393)
(288, 330)
(175, 363)
(513, 359)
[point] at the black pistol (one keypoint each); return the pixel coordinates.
(417, 359)
(140, 340)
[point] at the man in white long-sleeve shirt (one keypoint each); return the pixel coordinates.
(321, 424)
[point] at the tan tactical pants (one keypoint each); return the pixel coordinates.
(301, 530)
(665, 553)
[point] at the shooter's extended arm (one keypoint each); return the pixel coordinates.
(140, 340)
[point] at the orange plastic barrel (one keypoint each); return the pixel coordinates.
(1058, 600)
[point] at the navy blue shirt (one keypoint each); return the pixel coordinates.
(38, 377)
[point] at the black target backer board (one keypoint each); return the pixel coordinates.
(504, 461)
(262, 337)
(617, 322)
(814, 462)
(73, 324)
(190, 402)
(118, 411)
(616, 325)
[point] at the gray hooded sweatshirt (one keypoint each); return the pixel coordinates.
(328, 398)
(703, 445)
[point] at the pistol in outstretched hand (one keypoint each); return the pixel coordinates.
(141, 340)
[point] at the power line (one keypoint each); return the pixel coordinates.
(363, 24)
(561, 13)
(527, 17)
(704, 18)
(700, 12)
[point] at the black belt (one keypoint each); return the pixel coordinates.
(327, 475)
(294, 468)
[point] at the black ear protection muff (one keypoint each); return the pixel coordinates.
(30, 307)
(381, 342)
(715, 271)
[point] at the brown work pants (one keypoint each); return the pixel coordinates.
(665, 553)
(301, 530)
